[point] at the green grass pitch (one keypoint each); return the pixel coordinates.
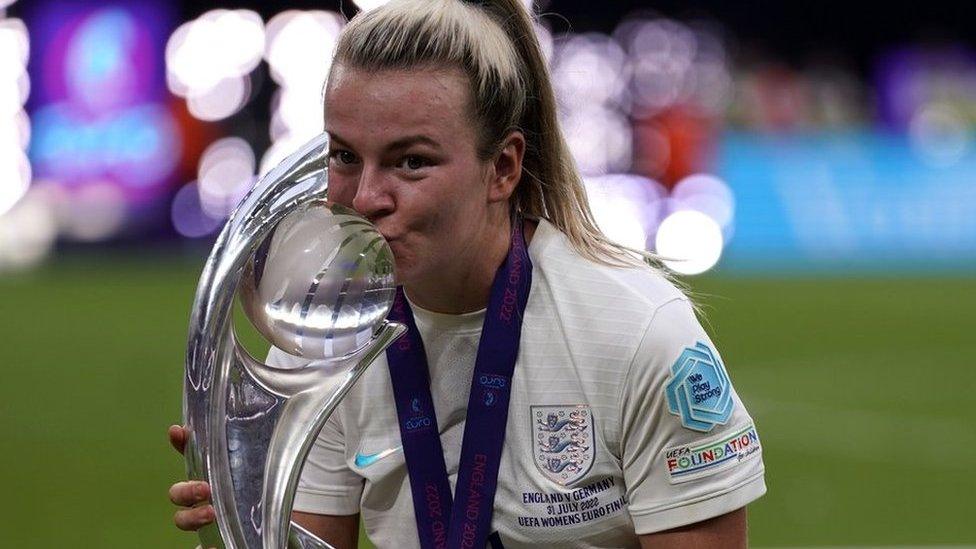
(862, 391)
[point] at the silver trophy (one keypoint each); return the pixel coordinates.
(317, 281)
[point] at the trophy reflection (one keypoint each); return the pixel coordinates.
(317, 281)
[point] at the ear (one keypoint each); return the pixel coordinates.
(506, 168)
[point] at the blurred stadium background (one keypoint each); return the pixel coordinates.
(814, 163)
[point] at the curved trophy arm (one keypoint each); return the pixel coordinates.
(236, 407)
(293, 439)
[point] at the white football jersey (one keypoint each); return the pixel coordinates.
(622, 419)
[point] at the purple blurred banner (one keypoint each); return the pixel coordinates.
(103, 130)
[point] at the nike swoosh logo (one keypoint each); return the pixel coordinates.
(365, 460)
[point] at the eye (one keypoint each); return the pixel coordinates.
(414, 162)
(342, 156)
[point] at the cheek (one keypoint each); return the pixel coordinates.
(342, 189)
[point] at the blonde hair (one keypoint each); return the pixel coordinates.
(494, 43)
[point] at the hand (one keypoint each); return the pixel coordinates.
(189, 494)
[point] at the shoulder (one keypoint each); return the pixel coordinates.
(635, 292)
(595, 319)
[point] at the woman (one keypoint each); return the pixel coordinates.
(559, 391)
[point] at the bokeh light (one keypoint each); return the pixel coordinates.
(14, 81)
(600, 139)
(676, 63)
(706, 194)
(15, 131)
(92, 213)
(27, 231)
(300, 112)
(15, 45)
(689, 242)
(662, 52)
(590, 69)
(711, 85)
(627, 208)
(299, 53)
(225, 175)
(278, 151)
(13, 95)
(300, 46)
(218, 45)
(939, 134)
(187, 214)
(15, 176)
(223, 99)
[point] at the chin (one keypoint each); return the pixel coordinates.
(404, 277)
(410, 274)
(413, 268)
(404, 272)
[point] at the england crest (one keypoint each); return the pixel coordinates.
(562, 441)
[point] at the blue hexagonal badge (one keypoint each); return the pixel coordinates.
(699, 390)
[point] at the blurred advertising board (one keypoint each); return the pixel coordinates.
(861, 200)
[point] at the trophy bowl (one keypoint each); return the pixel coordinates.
(321, 284)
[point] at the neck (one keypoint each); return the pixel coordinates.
(467, 287)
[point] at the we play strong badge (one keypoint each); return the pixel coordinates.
(699, 391)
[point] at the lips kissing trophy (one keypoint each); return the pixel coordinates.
(317, 281)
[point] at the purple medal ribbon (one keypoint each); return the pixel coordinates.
(440, 523)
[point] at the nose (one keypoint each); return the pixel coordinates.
(373, 199)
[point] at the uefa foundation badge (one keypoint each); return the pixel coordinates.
(699, 391)
(687, 462)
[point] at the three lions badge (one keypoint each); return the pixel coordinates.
(562, 441)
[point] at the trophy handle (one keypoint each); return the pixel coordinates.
(312, 392)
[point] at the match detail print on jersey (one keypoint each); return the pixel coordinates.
(562, 441)
(699, 391)
(706, 458)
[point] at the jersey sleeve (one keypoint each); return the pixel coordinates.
(689, 449)
(327, 485)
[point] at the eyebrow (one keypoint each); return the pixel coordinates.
(399, 144)
(406, 142)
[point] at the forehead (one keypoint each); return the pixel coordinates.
(388, 103)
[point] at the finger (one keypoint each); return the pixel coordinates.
(189, 493)
(195, 518)
(177, 437)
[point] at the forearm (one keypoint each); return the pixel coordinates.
(342, 532)
(726, 531)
